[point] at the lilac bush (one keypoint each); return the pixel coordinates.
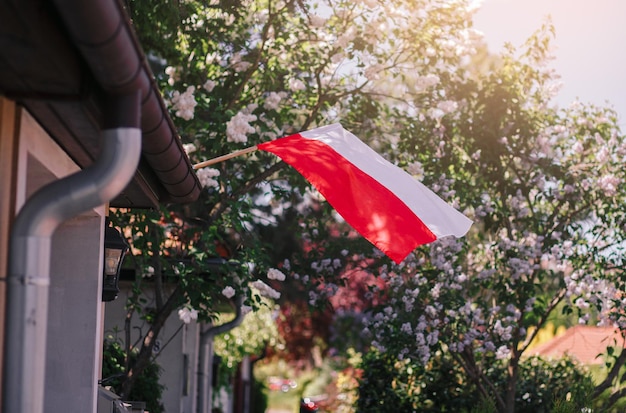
(543, 185)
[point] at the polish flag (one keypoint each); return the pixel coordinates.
(382, 202)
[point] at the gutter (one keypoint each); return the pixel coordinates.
(103, 34)
(205, 362)
(28, 277)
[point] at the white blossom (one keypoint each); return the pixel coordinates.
(502, 353)
(578, 147)
(228, 292)
(238, 64)
(189, 148)
(448, 106)
(187, 314)
(265, 290)
(425, 82)
(149, 272)
(608, 184)
(174, 75)
(370, 3)
(373, 72)
(503, 332)
(296, 84)
(209, 85)
(435, 113)
(603, 155)
(206, 175)
(274, 274)
(343, 40)
(238, 127)
(184, 103)
(272, 101)
(317, 21)
(416, 169)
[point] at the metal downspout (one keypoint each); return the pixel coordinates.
(29, 250)
(205, 362)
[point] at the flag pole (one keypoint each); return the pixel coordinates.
(225, 157)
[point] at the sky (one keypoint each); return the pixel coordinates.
(589, 50)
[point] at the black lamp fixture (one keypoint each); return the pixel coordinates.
(115, 247)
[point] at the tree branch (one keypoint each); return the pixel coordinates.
(615, 397)
(145, 353)
(553, 303)
(608, 381)
(221, 206)
(468, 364)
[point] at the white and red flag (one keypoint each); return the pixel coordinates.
(382, 202)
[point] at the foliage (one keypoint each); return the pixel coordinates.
(389, 385)
(305, 332)
(147, 389)
(609, 395)
(536, 183)
(546, 385)
(256, 333)
(544, 186)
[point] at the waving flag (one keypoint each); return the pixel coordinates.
(382, 202)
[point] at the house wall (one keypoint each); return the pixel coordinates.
(190, 350)
(8, 154)
(30, 159)
(177, 356)
(74, 317)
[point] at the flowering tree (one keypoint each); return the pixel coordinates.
(414, 81)
(544, 188)
(243, 72)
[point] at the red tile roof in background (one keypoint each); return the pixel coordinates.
(584, 343)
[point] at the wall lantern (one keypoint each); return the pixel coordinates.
(115, 248)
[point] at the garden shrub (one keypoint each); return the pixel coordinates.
(147, 388)
(388, 385)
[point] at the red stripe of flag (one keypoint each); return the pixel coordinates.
(328, 157)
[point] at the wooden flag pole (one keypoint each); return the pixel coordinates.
(225, 157)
